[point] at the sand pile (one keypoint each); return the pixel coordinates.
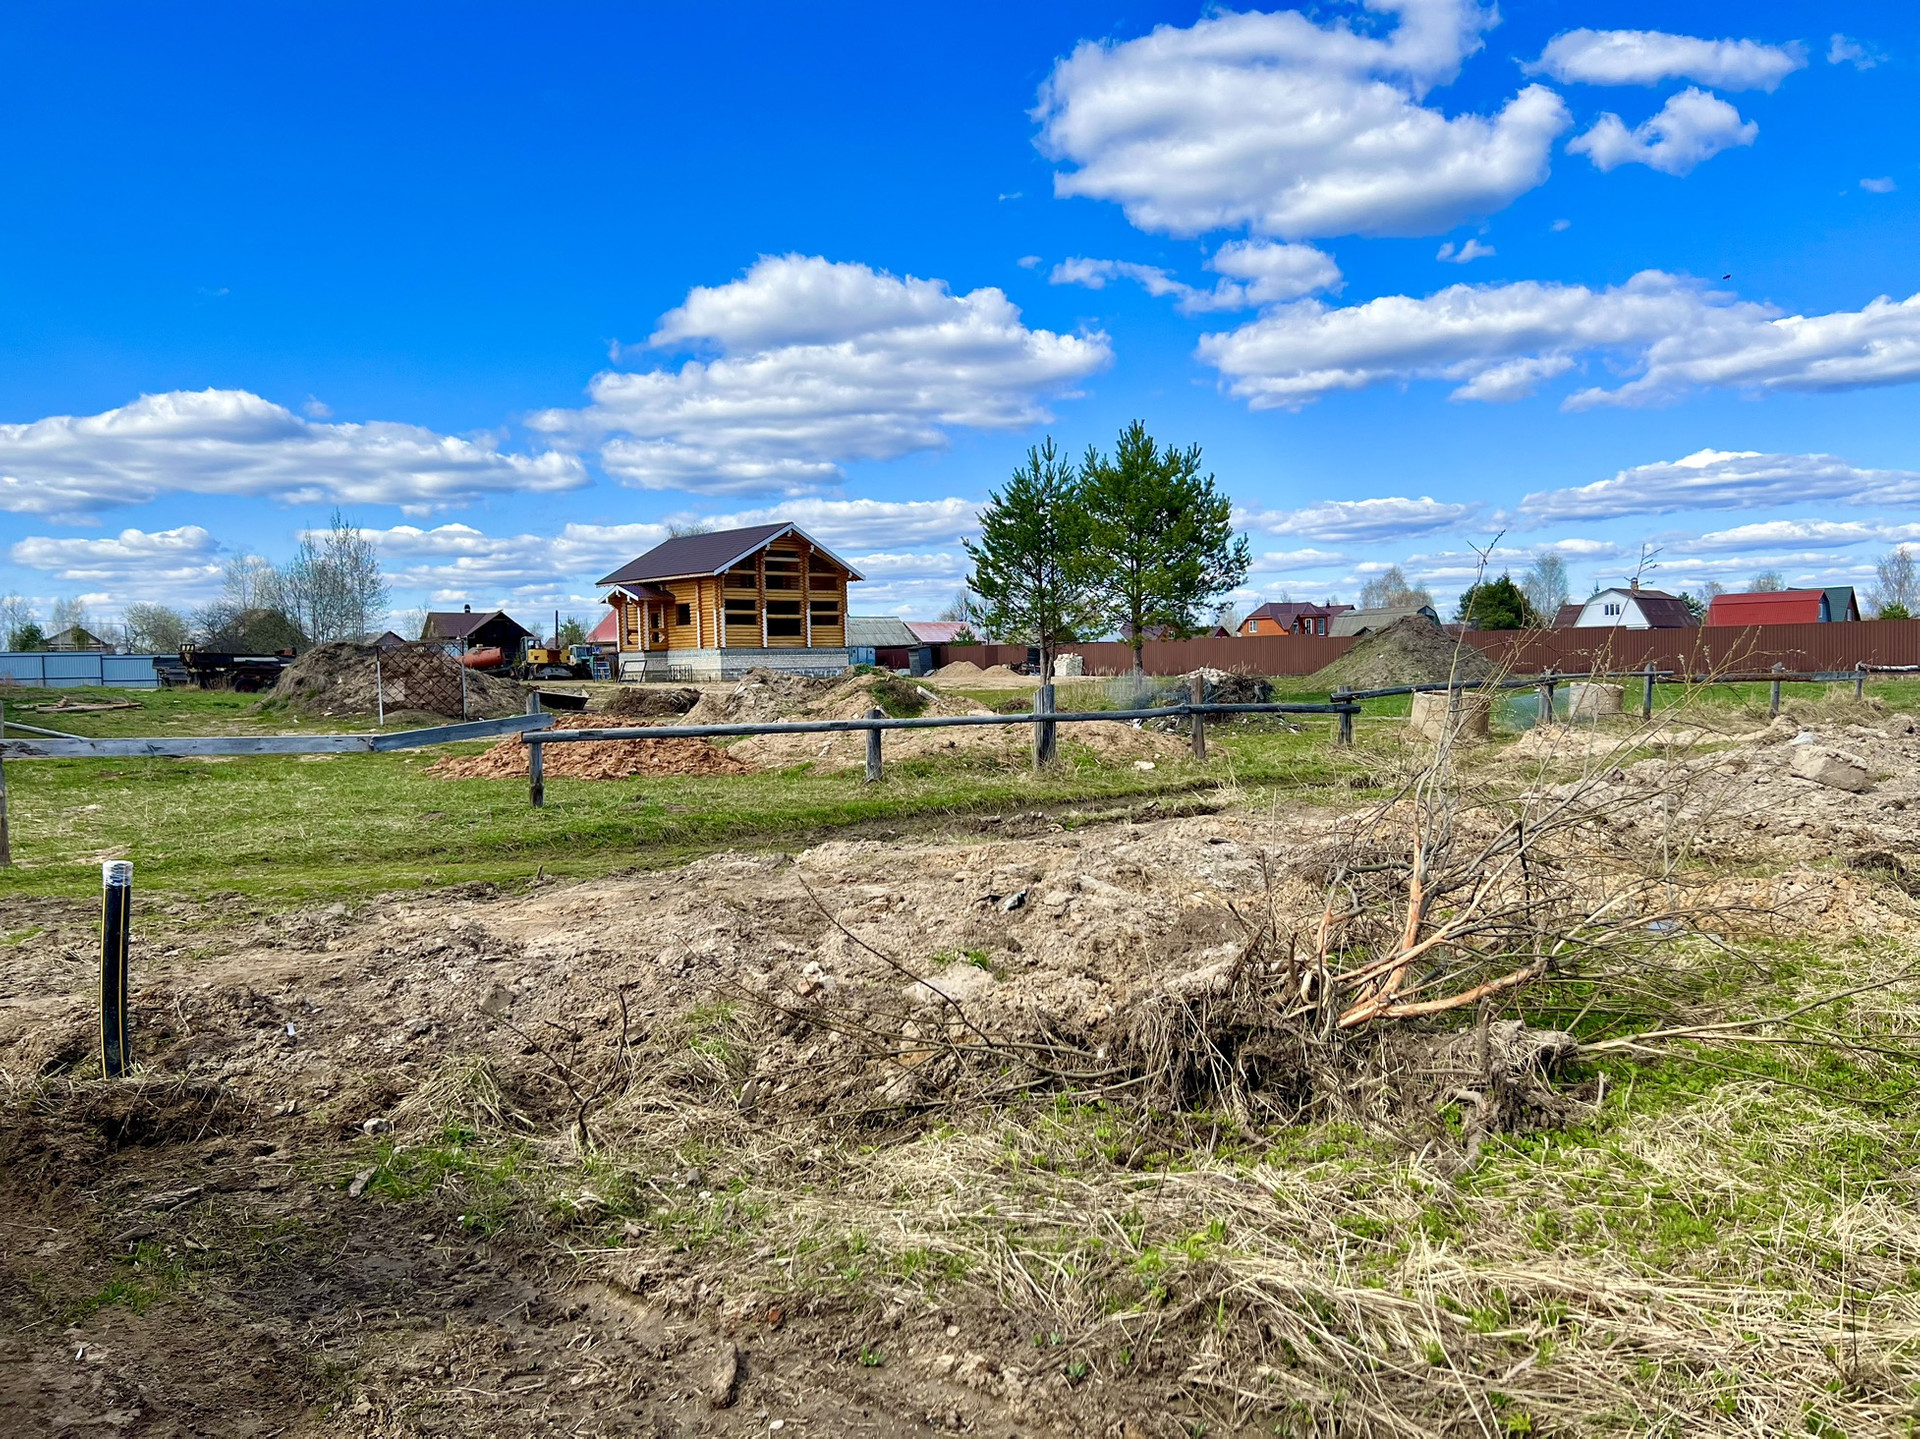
(1410, 651)
(958, 670)
(650, 701)
(593, 759)
(346, 679)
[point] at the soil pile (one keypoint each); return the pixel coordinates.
(1410, 651)
(1233, 687)
(762, 696)
(594, 759)
(958, 670)
(650, 702)
(855, 696)
(339, 680)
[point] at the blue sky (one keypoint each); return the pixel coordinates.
(515, 286)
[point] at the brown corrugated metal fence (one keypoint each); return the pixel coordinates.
(1829, 648)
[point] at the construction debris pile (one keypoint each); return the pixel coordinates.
(594, 759)
(340, 681)
(1410, 651)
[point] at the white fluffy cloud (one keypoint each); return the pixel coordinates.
(1499, 342)
(816, 364)
(1293, 129)
(1646, 57)
(1257, 272)
(1724, 480)
(1690, 128)
(1466, 254)
(1843, 51)
(230, 442)
(1787, 535)
(1360, 521)
(180, 565)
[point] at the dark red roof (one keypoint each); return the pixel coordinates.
(1767, 607)
(686, 556)
(607, 631)
(1568, 615)
(1664, 611)
(458, 624)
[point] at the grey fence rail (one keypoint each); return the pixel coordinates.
(1043, 717)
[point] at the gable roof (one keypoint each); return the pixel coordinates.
(938, 632)
(1659, 609)
(1568, 615)
(1841, 604)
(881, 632)
(689, 556)
(1285, 612)
(458, 624)
(1359, 622)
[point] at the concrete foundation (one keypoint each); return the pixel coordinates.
(1592, 701)
(731, 663)
(1433, 715)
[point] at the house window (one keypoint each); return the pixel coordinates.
(743, 577)
(783, 619)
(743, 614)
(683, 614)
(783, 571)
(826, 612)
(1612, 607)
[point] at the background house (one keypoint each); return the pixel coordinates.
(1365, 622)
(714, 606)
(1829, 605)
(76, 638)
(465, 629)
(1632, 608)
(1290, 617)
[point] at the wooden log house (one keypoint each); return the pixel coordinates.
(713, 606)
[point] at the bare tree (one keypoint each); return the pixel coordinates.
(1767, 582)
(155, 629)
(1545, 585)
(333, 586)
(19, 624)
(1897, 586)
(1389, 590)
(70, 613)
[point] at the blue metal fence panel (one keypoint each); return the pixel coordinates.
(52, 670)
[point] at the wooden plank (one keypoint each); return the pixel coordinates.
(186, 746)
(454, 733)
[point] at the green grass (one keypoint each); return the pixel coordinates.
(291, 829)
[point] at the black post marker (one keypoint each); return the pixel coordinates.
(116, 883)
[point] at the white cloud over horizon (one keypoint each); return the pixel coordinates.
(1723, 480)
(817, 364)
(1647, 57)
(1291, 129)
(1499, 342)
(234, 443)
(1359, 521)
(132, 565)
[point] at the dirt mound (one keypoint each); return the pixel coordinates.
(594, 759)
(339, 680)
(649, 702)
(1410, 651)
(998, 744)
(762, 695)
(1234, 687)
(958, 670)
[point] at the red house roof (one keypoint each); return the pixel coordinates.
(1772, 607)
(607, 631)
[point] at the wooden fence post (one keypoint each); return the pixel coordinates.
(1646, 699)
(536, 759)
(1197, 695)
(1859, 693)
(873, 746)
(1045, 731)
(1773, 703)
(1344, 734)
(1546, 697)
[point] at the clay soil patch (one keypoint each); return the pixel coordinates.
(595, 759)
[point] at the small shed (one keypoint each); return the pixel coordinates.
(468, 629)
(76, 638)
(1828, 605)
(886, 640)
